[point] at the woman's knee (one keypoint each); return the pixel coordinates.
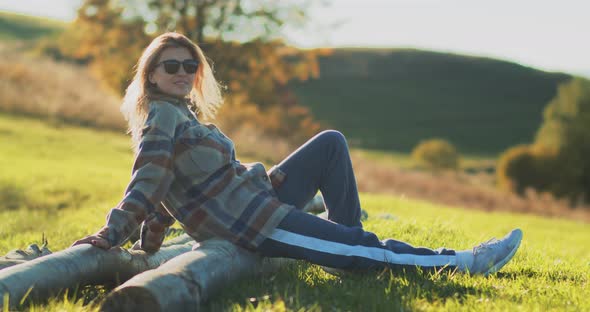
(332, 137)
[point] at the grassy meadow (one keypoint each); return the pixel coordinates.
(61, 180)
(64, 162)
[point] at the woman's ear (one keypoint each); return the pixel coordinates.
(151, 78)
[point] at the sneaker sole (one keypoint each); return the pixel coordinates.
(503, 262)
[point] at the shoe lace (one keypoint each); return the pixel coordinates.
(485, 245)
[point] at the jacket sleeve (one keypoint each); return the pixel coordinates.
(151, 178)
(153, 229)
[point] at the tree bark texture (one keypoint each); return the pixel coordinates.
(80, 265)
(186, 281)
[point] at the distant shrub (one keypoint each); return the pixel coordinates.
(436, 154)
(514, 165)
(528, 166)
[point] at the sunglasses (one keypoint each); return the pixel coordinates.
(173, 66)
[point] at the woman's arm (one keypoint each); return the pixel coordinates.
(152, 176)
(153, 229)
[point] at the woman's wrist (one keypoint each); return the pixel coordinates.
(107, 234)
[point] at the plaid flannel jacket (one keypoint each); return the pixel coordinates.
(188, 171)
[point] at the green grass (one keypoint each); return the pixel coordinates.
(61, 180)
(58, 180)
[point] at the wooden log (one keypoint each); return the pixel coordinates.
(209, 268)
(186, 281)
(82, 265)
(33, 251)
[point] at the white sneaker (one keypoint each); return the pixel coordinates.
(491, 256)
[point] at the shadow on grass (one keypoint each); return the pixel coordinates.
(11, 196)
(307, 287)
(89, 296)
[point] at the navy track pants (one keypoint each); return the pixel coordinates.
(323, 163)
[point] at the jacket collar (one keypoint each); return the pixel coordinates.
(159, 96)
(182, 103)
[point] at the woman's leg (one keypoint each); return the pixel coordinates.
(322, 163)
(307, 237)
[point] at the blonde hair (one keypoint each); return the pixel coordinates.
(204, 98)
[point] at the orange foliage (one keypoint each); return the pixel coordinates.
(256, 73)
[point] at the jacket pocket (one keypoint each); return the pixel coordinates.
(202, 155)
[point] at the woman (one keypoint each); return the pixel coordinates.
(187, 171)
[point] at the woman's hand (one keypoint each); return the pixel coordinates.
(93, 240)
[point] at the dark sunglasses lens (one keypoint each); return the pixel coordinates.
(190, 67)
(171, 67)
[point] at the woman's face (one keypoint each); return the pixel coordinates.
(171, 76)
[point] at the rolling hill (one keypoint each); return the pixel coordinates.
(392, 98)
(24, 27)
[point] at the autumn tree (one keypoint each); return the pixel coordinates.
(242, 39)
(566, 128)
(558, 161)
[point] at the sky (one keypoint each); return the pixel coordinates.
(546, 34)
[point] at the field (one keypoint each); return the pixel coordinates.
(61, 180)
(62, 169)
